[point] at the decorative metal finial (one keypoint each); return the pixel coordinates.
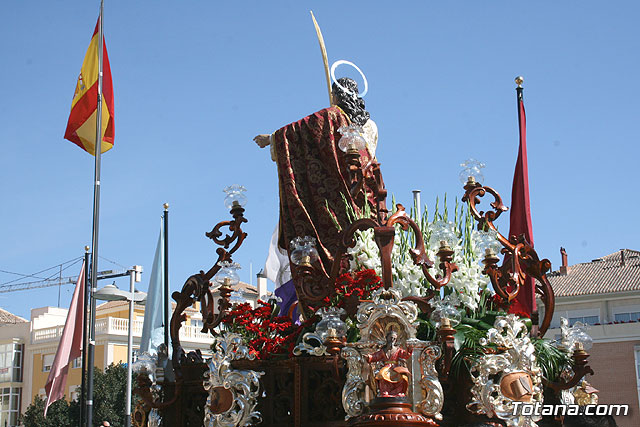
(519, 81)
(86, 248)
(166, 206)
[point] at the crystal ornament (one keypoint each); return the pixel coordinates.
(485, 243)
(445, 309)
(303, 250)
(330, 325)
(443, 231)
(235, 196)
(238, 297)
(145, 364)
(471, 171)
(352, 139)
(578, 335)
(228, 274)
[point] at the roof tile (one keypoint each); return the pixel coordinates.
(6, 317)
(602, 275)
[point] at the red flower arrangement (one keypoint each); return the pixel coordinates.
(351, 288)
(514, 307)
(267, 335)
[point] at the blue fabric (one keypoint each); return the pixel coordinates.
(153, 311)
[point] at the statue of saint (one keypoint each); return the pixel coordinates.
(313, 175)
(392, 379)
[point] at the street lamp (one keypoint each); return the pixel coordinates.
(112, 293)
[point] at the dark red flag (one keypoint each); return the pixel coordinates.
(520, 221)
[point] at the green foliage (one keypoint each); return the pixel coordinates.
(426, 331)
(109, 395)
(550, 358)
(57, 415)
(462, 220)
(109, 403)
(469, 349)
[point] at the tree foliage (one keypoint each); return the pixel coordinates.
(57, 415)
(108, 399)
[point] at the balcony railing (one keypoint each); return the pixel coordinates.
(116, 326)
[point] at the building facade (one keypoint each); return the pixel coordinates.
(605, 294)
(28, 348)
(13, 330)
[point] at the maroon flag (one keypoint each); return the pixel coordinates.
(520, 221)
(70, 346)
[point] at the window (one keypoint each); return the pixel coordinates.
(589, 316)
(10, 406)
(627, 317)
(77, 362)
(11, 362)
(588, 320)
(74, 392)
(47, 361)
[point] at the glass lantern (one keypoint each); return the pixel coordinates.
(228, 274)
(352, 139)
(235, 197)
(485, 243)
(144, 364)
(443, 234)
(303, 250)
(238, 297)
(330, 324)
(471, 171)
(579, 338)
(445, 312)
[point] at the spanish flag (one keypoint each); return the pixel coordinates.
(81, 128)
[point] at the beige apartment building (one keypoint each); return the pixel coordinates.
(28, 347)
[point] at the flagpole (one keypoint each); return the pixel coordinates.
(165, 258)
(531, 288)
(85, 305)
(519, 89)
(520, 204)
(96, 216)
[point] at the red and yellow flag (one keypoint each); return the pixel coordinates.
(81, 128)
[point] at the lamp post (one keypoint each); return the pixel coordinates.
(112, 293)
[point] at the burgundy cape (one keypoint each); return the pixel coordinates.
(313, 178)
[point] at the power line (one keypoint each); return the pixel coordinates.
(37, 284)
(34, 275)
(55, 279)
(23, 286)
(20, 274)
(112, 262)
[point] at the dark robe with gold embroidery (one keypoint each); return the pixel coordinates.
(313, 178)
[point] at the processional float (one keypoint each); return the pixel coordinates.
(360, 348)
(386, 377)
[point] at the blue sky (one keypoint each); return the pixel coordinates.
(194, 81)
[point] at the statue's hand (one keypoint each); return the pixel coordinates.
(262, 140)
